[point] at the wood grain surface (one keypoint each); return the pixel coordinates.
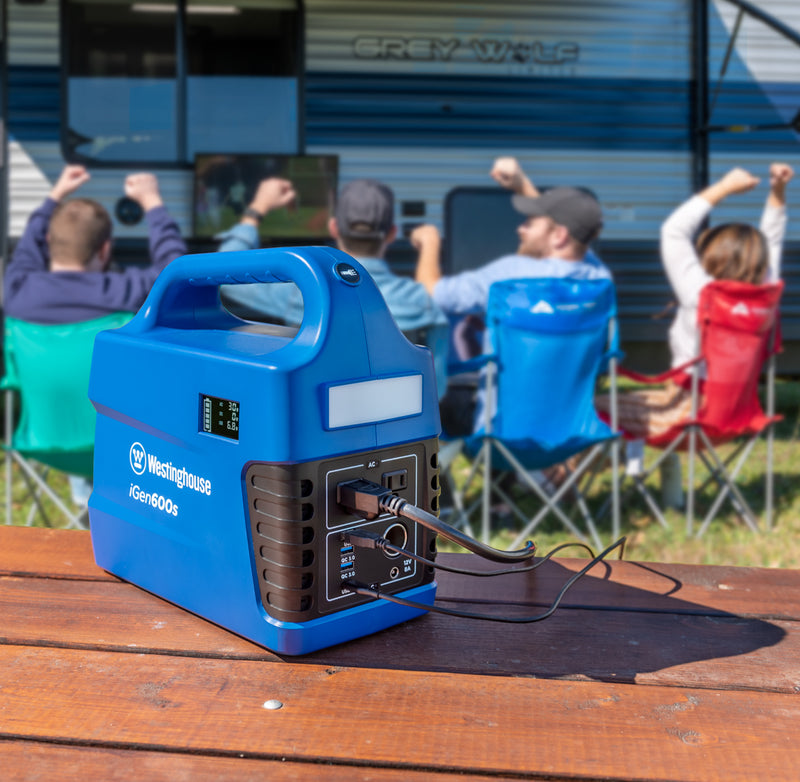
(648, 672)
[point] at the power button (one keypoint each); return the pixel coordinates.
(348, 273)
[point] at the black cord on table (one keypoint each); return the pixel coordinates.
(363, 589)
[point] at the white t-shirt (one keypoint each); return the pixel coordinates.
(685, 271)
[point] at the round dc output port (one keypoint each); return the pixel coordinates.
(397, 535)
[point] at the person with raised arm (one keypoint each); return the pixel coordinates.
(60, 269)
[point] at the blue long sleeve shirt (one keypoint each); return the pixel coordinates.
(34, 293)
(468, 292)
(408, 301)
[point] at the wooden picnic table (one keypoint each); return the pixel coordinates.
(646, 672)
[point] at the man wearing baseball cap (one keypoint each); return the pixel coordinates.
(554, 241)
(363, 226)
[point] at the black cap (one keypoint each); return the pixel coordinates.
(577, 210)
(365, 210)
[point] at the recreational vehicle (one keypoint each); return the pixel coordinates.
(642, 102)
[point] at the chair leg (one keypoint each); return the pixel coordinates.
(539, 517)
(586, 467)
(465, 511)
(487, 491)
(725, 479)
(580, 493)
(617, 442)
(9, 479)
(588, 520)
(649, 501)
(690, 482)
(31, 475)
(738, 501)
(457, 515)
(461, 518)
(770, 487)
(550, 504)
(9, 424)
(36, 505)
(615, 498)
(719, 477)
(640, 482)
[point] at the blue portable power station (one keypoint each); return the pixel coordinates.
(220, 445)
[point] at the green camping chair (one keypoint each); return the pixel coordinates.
(47, 370)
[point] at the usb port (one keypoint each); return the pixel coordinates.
(347, 549)
(346, 565)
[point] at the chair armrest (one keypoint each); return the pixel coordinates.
(470, 365)
(606, 358)
(663, 377)
(9, 383)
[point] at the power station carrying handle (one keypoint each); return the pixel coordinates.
(185, 295)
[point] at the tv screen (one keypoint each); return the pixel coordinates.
(224, 185)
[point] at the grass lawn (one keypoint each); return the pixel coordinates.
(727, 541)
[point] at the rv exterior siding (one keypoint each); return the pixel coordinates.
(761, 87)
(582, 93)
(425, 93)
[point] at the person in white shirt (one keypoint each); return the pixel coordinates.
(731, 251)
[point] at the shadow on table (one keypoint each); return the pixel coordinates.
(605, 630)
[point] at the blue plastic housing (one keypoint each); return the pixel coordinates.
(169, 511)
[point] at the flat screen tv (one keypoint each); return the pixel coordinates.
(224, 185)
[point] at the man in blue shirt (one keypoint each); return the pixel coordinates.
(554, 241)
(363, 226)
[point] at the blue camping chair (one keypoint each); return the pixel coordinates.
(549, 340)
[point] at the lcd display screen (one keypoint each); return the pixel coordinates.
(219, 416)
(224, 186)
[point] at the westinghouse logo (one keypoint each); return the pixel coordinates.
(137, 457)
(140, 461)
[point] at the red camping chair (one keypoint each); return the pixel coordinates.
(739, 332)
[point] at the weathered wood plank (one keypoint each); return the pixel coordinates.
(669, 649)
(396, 719)
(48, 553)
(86, 614)
(23, 761)
(756, 592)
